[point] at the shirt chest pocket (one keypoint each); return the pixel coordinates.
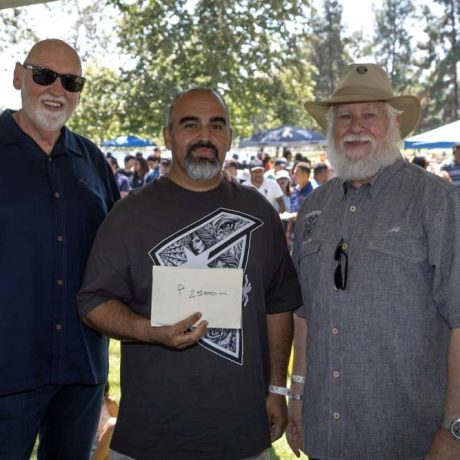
(412, 250)
(309, 260)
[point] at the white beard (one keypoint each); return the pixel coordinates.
(367, 166)
(43, 118)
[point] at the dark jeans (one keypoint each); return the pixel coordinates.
(64, 416)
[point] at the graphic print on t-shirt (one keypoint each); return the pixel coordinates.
(219, 240)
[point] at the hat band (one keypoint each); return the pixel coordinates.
(363, 91)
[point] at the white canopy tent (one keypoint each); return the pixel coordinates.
(443, 137)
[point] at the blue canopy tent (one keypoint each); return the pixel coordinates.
(128, 141)
(284, 136)
(443, 137)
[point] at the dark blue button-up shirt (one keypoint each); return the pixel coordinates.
(50, 209)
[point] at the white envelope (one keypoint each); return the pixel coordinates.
(179, 292)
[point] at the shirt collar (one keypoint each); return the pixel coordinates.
(377, 182)
(11, 133)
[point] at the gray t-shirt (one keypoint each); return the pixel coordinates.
(377, 350)
(207, 401)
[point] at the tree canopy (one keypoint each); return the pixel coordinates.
(266, 58)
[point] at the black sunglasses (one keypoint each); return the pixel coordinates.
(45, 77)
(340, 274)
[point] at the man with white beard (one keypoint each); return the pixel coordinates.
(56, 188)
(377, 343)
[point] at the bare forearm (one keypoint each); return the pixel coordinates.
(299, 366)
(452, 401)
(117, 320)
(281, 205)
(280, 330)
(443, 445)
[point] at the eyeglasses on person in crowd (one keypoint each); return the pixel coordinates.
(45, 77)
(341, 273)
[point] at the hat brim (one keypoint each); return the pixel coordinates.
(409, 105)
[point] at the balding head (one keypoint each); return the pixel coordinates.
(48, 51)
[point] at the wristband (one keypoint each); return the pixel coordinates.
(295, 397)
(283, 391)
(298, 378)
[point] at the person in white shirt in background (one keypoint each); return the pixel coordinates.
(269, 188)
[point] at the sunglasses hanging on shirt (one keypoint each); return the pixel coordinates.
(341, 272)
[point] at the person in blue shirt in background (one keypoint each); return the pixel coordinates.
(303, 185)
(56, 190)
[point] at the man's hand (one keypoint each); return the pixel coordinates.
(180, 335)
(294, 428)
(443, 446)
(117, 320)
(277, 415)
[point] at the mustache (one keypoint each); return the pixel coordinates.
(357, 138)
(197, 145)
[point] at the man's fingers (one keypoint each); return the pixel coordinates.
(198, 331)
(187, 323)
(191, 335)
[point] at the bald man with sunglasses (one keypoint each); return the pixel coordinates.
(56, 189)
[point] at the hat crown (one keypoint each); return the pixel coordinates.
(365, 79)
(366, 83)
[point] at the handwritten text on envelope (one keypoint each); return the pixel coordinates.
(179, 292)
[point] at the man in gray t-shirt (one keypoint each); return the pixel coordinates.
(195, 393)
(377, 251)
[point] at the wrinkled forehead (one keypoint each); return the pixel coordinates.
(199, 104)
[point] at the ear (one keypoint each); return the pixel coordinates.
(18, 76)
(167, 137)
(230, 137)
(398, 120)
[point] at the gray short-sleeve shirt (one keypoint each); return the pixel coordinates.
(377, 350)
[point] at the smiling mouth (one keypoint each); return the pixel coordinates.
(52, 104)
(357, 143)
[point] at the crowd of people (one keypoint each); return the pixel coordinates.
(368, 296)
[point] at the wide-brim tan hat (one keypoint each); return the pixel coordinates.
(368, 82)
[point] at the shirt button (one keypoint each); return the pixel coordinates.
(336, 374)
(60, 238)
(352, 208)
(336, 415)
(50, 159)
(58, 327)
(335, 331)
(57, 195)
(60, 282)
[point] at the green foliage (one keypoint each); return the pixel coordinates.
(440, 93)
(15, 28)
(328, 53)
(265, 57)
(245, 49)
(100, 114)
(393, 41)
